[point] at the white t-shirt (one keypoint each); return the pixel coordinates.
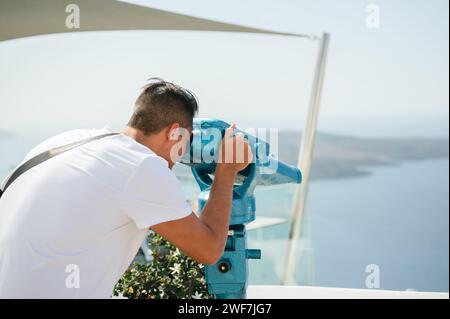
(70, 226)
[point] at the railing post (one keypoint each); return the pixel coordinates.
(304, 163)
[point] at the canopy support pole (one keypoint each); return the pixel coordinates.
(304, 163)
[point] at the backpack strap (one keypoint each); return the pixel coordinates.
(42, 157)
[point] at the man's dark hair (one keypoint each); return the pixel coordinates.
(160, 104)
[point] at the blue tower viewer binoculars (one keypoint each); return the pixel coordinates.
(229, 276)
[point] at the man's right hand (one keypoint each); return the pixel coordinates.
(235, 153)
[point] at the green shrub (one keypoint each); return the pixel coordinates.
(171, 274)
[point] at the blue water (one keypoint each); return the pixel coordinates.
(396, 218)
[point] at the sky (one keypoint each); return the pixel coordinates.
(386, 82)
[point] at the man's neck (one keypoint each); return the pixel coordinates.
(140, 137)
(152, 142)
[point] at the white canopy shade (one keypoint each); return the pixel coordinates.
(24, 18)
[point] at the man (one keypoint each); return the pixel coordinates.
(70, 226)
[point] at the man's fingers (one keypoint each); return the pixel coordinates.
(229, 131)
(239, 147)
(235, 148)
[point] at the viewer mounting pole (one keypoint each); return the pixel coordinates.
(304, 163)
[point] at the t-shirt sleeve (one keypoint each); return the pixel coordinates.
(154, 195)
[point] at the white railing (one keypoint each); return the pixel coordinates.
(303, 292)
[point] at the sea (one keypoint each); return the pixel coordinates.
(393, 223)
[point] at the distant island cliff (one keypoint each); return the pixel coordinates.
(338, 156)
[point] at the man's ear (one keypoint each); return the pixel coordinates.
(173, 132)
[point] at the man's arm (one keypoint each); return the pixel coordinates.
(203, 238)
